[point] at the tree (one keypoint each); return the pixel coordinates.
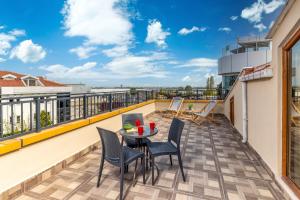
(133, 91)
(188, 88)
(210, 83)
(45, 119)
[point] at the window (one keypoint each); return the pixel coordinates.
(291, 112)
(293, 170)
(31, 82)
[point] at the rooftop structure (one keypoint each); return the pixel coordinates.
(249, 52)
(16, 84)
(13, 79)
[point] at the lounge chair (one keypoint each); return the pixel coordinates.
(174, 108)
(295, 115)
(204, 114)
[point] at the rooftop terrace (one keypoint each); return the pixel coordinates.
(217, 166)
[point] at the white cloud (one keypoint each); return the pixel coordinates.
(101, 22)
(186, 79)
(116, 51)
(7, 38)
(254, 13)
(84, 52)
(156, 34)
(224, 29)
(5, 43)
(273, 5)
(271, 24)
(125, 67)
(2, 60)
(27, 51)
(17, 32)
(173, 62)
(233, 18)
(132, 66)
(200, 62)
(185, 31)
(82, 72)
(260, 27)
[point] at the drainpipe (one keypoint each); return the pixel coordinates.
(245, 112)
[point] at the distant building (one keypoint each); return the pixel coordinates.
(248, 52)
(14, 84)
(79, 88)
(22, 89)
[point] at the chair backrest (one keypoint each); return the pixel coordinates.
(176, 103)
(111, 146)
(131, 118)
(209, 107)
(175, 131)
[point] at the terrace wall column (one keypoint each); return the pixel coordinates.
(245, 112)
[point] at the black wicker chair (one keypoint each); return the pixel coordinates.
(171, 147)
(118, 155)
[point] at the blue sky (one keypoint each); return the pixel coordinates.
(128, 42)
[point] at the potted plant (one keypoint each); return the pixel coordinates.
(190, 106)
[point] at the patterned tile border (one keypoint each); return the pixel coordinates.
(217, 166)
(39, 178)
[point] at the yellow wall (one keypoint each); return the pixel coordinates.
(23, 164)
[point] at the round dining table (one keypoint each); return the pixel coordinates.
(133, 133)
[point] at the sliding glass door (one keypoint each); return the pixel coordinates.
(293, 126)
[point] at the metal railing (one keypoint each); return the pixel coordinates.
(23, 115)
(26, 114)
(196, 94)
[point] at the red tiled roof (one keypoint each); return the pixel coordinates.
(19, 83)
(49, 83)
(3, 73)
(11, 83)
(250, 70)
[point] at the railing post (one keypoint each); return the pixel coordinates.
(126, 99)
(1, 121)
(152, 94)
(110, 103)
(197, 93)
(85, 105)
(37, 114)
(137, 96)
(146, 95)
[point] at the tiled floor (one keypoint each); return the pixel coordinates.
(217, 166)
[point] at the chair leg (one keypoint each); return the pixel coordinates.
(143, 169)
(147, 158)
(152, 168)
(100, 170)
(121, 181)
(171, 160)
(180, 165)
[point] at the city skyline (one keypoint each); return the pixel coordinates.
(132, 42)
